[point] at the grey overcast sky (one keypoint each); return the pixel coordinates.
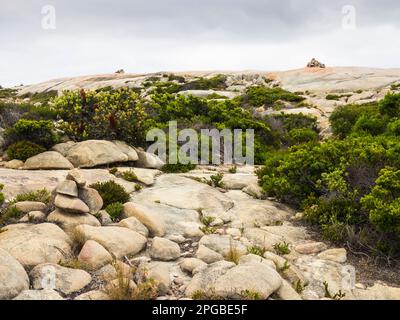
(101, 36)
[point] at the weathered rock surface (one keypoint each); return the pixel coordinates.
(35, 244)
(148, 160)
(68, 221)
(92, 199)
(207, 255)
(46, 161)
(164, 249)
(191, 264)
(28, 206)
(14, 164)
(255, 277)
(65, 280)
(13, 278)
(135, 225)
(92, 153)
(93, 295)
(39, 295)
(94, 256)
(152, 220)
(68, 188)
(117, 240)
(337, 255)
(70, 204)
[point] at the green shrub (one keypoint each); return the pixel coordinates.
(337, 96)
(2, 198)
(259, 96)
(111, 192)
(372, 124)
(40, 132)
(41, 195)
(390, 105)
(299, 136)
(115, 210)
(281, 248)
(216, 180)
(10, 213)
(383, 203)
(178, 168)
(23, 150)
(344, 118)
(394, 127)
(129, 175)
(216, 82)
(257, 250)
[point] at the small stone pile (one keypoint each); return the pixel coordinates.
(315, 64)
(72, 195)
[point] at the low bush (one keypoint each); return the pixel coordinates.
(259, 96)
(41, 195)
(40, 132)
(178, 168)
(115, 210)
(23, 150)
(111, 192)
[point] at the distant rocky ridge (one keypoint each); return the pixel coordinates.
(330, 79)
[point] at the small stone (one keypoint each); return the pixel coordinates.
(94, 255)
(104, 218)
(164, 249)
(14, 164)
(135, 225)
(311, 247)
(67, 280)
(68, 221)
(159, 271)
(152, 220)
(68, 187)
(39, 295)
(76, 175)
(34, 216)
(177, 238)
(337, 255)
(208, 255)
(13, 277)
(234, 232)
(28, 206)
(70, 204)
(93, 295)
(190, 264)
(92, 199)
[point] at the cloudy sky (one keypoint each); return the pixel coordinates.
(101, 36)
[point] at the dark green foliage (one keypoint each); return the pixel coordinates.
(2, 198)
(42, 195)
(299, 136)
(390, 105)
(40, 132)
(349, 187)
(178, 168)
(115, 210)
(259, 96)
(337, 96)
(111, 192)
(383, 202)
(23, 150)
(11, 213)
(129, 175)
(217, 82)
